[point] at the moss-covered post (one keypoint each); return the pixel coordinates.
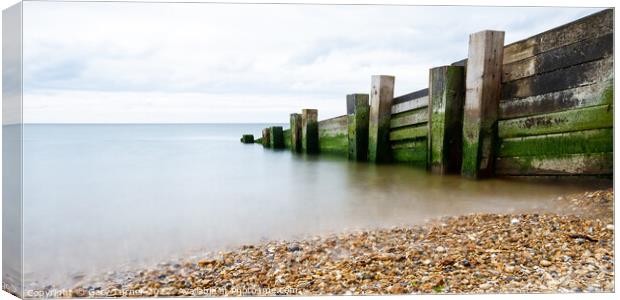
(266, 138)
(247, 138)
(277, 137)
(446, 92)
(381, 96)
(295, 132)
(483, 89)
(309, 131)
(357, 122)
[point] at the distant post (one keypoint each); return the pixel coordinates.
(247, 138)
(266, 137)
(295, 132)
(357, 112)
(309, 131)
(382, 93)
(277, 137)
(483, 88)
(446, 92)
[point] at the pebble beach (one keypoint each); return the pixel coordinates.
(570, 250)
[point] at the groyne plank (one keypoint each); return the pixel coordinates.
(582, 96)
(586, 141)
(410, 132)
(571, 77)
(570, 164)
(574, 54)
(595, 25)
(410, 96)
(408, 105)
(413, 153)
(593, 117)
(411, 117)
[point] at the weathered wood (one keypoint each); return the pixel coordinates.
(309, 131)
(483, 84)
(593, 117)
(571, 164)
(333, 136)
(571, 77)
(583, 96)
(382, 93)
(574, 54)
(413, 95)
(414, 153)
(408, 105)
(287, 138)
(358, 108)
(446, 99)
(295, 123)
(266, 139)
(411, 117)
(410, 132)
(247, 138)
(587, 141)
(592, 26)
(276, 135)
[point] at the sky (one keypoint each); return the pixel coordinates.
(227, 63)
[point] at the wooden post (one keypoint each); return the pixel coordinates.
(309, 131)
(266, 138)
(277, 137)
(483, 90)
(357, 122)
(446, 92)
(247, 139)
(295, 132)
(381, 95)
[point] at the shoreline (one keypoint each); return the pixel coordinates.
(568, 251)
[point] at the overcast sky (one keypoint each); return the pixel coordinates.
(216, 63)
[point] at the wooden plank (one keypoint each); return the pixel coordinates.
(446, 94)
(411, 117)
(295, 132)
(483, 86)
(408, 143)
(593, 117)
(309, 131)
(334, 126)
(413, 95)
(570, 164)
(583, 96)
(595, 25)
(574, 54)
(415, 154)
(410, 105)
(586, 141)
(358, 108)
(571, 77)
(334, 144)
(411, 132)
(381, 96)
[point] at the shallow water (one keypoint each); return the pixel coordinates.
(106, 197)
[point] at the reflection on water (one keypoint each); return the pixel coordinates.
(100, 197)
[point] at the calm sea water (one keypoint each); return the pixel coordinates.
(107, 197)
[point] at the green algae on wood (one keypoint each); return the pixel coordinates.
(569, 164)
(411, 117)
(409, 132)
(309, 131)
(295, 132)
(287, 138)
(413, 152)
(593, 117)
(266, 139)
(357, 124)
(382, 94)
(334, 144)
(587, 141)
(247, 138)
(277, 137)
(446, 97)
(483, 88)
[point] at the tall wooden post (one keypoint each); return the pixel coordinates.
(309, 131)
(295, 121)
(381, 95)
(277, 137)
(357, 122)
(483, 89)
(446, 92)
(266, 139)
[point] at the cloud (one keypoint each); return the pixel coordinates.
(311, 55)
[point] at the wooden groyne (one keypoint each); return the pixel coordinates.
(542, 106)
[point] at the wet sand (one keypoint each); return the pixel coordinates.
(570, 250)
